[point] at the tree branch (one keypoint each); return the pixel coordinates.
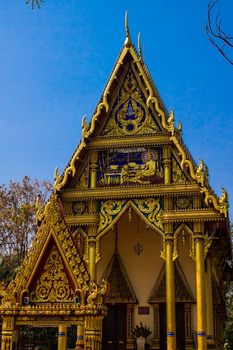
(34, 2)
(217, 36)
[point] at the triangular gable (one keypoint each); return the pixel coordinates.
(111, 105)
(129, 114)
(53, 283)
(52, 236)
(121, 290)
(183, 292)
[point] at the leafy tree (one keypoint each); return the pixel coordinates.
(17, 221)
(229, 307)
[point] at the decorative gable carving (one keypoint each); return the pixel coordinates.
(130, 115)
(121, 290)
(53, 284)
(183, 292)
(178, 176)
(53, 228)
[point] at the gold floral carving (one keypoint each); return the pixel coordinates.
(83, 180)
(183, 231)
(108, 211)
(178, 176)
(80, 237)
(54, 224)
(53, 284)
(151, 210)
(130, 103)
(200, 174)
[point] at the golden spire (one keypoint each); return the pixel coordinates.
(139, 45)
(128, 41)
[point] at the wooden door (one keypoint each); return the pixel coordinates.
(180, 326)
(114, 328)
(162, 327)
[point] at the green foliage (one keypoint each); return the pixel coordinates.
(141, 331)
(229, 308)
(17, 221)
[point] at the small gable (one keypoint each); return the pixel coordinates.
(183, 292)
(53, 268)
(53, 283)
(121, 290)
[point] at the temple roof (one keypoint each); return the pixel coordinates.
(131, 62)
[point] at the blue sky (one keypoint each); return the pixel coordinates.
(54, 64)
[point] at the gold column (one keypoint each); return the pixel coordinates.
(92, 230)
(170, 288)
(167, 165)
(80, 334)
(7, 333)
(200, 286)
(92, 251)
(93, 169)
(62, 338)
(209, 306)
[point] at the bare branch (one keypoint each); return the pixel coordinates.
(217, 36)
(34, 3)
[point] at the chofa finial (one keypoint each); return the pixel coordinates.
(139, 45)
(128, 41)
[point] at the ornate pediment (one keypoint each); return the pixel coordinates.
(52, 229)
(121, 290)
(149, 209)
(52, 284)
(183, 292)
(130, 115)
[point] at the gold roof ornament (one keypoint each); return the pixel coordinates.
(139, 45)
(128, 41)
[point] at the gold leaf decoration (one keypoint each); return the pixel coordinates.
(178, 176)
(53, 284)
(108, 211)
(151, 210)
(130, 114)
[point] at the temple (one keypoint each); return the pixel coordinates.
(133, 241)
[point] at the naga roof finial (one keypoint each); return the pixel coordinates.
(128, 41)
(139, 45)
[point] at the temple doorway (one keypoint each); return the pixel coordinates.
(114, 327)
(180, 326)
(43, 338)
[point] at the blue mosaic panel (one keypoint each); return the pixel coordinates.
(130, 167)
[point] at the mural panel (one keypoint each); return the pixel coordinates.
(130, 167)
